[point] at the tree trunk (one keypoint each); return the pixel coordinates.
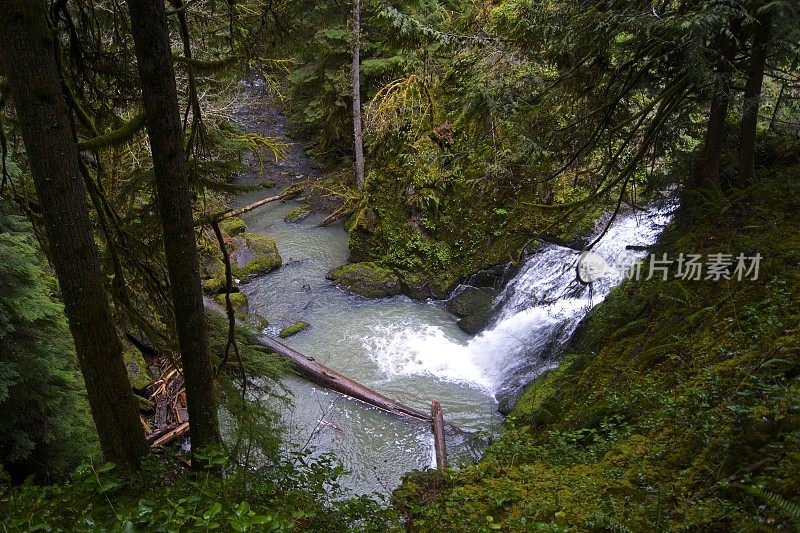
(29, 57)
(715, 141)
(157, 79)
(752, 96)
(439, 441)
(330, 379)
(356, 74)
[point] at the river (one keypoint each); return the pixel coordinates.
(411, 351)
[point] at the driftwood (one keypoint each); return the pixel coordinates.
(333, 217)
(290, 192)
(171, 435)
(439, 443)
(330, 379)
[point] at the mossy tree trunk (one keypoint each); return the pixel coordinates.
(162, 114)
(752, 95)
(28, 53)
(358, 136)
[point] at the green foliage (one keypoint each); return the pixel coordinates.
(45, 428)
(296, 494)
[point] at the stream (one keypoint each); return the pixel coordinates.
(412, 351)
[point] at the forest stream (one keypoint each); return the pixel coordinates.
(411, 351)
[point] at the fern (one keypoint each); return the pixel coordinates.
(787, 508)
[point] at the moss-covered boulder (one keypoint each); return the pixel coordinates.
(213, 272)
(238, 299)
(298, 213)
(474, 306)
(254, 255)
(138, 372)
(470, 300)
(232, 226)
(367, 279)
(294, 329)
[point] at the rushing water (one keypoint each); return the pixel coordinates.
(413, 351)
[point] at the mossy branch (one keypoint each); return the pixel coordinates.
(115, 137)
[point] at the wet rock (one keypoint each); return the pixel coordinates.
(474, 306)
(138, 372)
(294, 329)
(476, 322)
(298, 213)
(254, 255)
(470, 301)
(366, 279)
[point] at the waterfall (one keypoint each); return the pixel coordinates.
(536, 313)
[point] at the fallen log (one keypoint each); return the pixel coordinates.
(439, 443)
(171, 435)
(330, 379)
(292, 191)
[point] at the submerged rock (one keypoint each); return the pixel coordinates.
(298, 213)
(254, 255)
(294, 329)
(366, 279)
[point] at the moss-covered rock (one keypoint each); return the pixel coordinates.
(366, 279)
(138, 372)
(474, 306)
(213, 272)
(469, 301)
(294, 329)
(232, 226)
(298, 213)
(254, 255)
(238, 300)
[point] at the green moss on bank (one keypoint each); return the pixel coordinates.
(675, 399)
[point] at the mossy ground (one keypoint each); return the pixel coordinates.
(675, 398)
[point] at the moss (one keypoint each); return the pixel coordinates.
(232, 226)
(298, 213)
(254, 255)
(294, 329)
(138, 372)
(367, 279)
(238, 299)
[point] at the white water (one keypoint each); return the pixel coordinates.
(539, 309)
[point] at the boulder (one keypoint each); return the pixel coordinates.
(298, 213)
(366, 279)
(470, 301)
(254, 255)
(475, 323)
(232, 226)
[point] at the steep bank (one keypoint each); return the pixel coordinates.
(676, 406)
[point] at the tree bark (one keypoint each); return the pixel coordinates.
(439, 442)
(330, 379)
(356, 74)
(752, 96)
(715, 141)
(157, 79)
(27, 45)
